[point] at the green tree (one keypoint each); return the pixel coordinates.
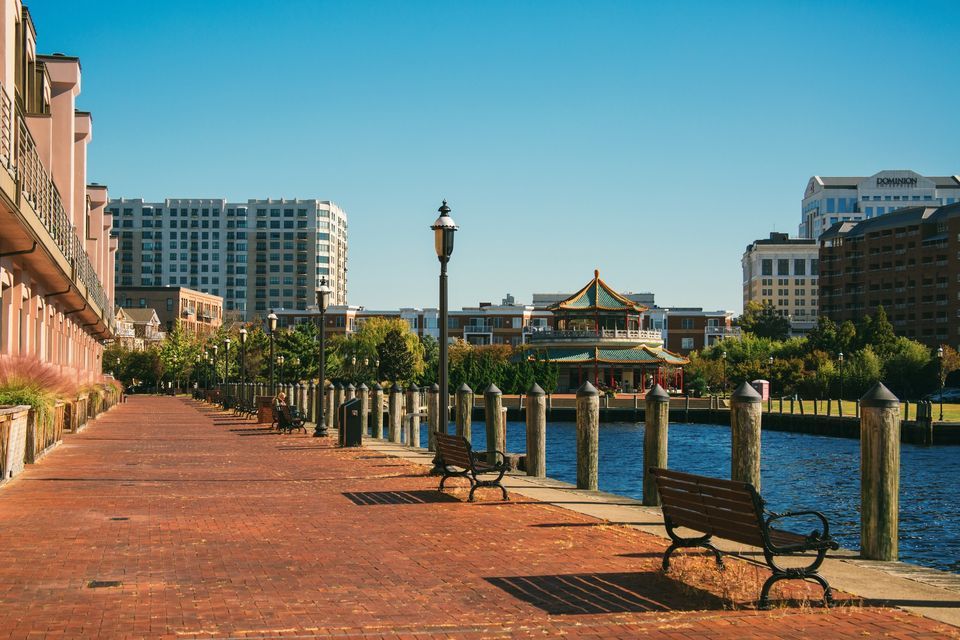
(396, 357)
(763, 321)
(177, 353)
(431, 360)
(879, 333)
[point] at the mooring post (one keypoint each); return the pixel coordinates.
(396, 413)
(413, 408)
(433, 415)
(588, 436)
(493, 414)
(363, 392)
(350, 392)
(879, 473)
(536, 432)
(376, 411)
(655, 441)
(311, 401)
(338, 392)
(464, 411)
(328, 408)
(746, 410)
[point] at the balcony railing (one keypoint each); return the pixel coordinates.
(37, 187)
(603, 334)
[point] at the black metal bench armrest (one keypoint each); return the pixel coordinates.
(482, 457)
(815, 540)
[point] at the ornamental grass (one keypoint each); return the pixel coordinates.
(31, 382)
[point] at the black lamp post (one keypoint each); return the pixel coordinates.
(723, 364)
(940, 362)
(444, 229)
(271, 329)
(280, 362)
(197, 370)
(206, 369)
(323, 301)
(243, 359)
(226, 360)
(840, 358)
(770, 389)
(216, 374)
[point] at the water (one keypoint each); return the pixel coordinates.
(798, 472)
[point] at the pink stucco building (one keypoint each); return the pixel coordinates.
(56, 254)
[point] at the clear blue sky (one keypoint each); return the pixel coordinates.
(650, 140)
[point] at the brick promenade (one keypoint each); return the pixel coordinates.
(214, 528)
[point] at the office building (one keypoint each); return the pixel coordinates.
(784, 271)
(196, 312)
(905, 261)
(257, 255)
(829, 200)
(56, 279)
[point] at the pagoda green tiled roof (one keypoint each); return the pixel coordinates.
(597, 295)
(641, 354)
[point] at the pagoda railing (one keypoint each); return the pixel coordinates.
(536, 335)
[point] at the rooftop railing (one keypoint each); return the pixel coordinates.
(603, 334)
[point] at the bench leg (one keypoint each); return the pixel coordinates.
(764, 603)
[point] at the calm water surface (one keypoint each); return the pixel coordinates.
(798, 471)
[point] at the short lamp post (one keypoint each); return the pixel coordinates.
(444, 229)
(206, 369)
(216, 373)
(272, 329)
(280, 362)
(323, 301)
(723, 365)
(197, 370)
(226, 360)
(940, 363)
(770, 383)
(840, 359)
(243, 359)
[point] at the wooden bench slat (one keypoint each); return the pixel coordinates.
(737, 506)
(741, 496)
(697, 521)
(700, 480)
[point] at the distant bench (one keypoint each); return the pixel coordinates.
(735, 511)
(455, 453)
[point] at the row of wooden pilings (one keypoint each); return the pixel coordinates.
(399, 417)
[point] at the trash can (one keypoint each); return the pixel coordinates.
(351, 427)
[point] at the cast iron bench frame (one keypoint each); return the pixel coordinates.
(454, 452)
(286, 421)
(735, 511)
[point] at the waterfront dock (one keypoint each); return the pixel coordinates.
(167, 518)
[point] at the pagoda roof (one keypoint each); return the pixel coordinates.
(597, 295)
(641, 354)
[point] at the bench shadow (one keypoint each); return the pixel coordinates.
(598, 593)
(366, 498)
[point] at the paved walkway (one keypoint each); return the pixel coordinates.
(167, 519)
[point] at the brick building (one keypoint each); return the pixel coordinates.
(198, 312)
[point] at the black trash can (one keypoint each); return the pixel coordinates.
(351, 427)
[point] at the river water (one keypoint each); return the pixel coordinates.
(798, 472)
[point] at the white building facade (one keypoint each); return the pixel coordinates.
(829, 200)
(784, 271)
(258, 255)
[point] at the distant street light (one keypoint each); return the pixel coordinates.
(940, 361)
(271, 329)
(323, 301)
(226, 360)
(840, 358)
(243, 359)
(444, 229)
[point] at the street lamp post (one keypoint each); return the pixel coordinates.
(840, 358)
(243, 360)
(770, 383)
(940, 363)
(226, 360)
(280, 362)
(197, 370)
(723, 364)
(271, 329)
(206, 370)
(216, 374)
(323, 301)
(444, 229)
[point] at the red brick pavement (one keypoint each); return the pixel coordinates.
(215, 528)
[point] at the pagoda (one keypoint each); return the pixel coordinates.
(600, 335)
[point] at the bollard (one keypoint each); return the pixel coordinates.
(413, 408)
(433, 415)
(536, 462)
(301, 391)
(328, 408)
(792, 398)
(464, 411)
(856, 409)
(337, 401)
(363, 392)
(395, 425)
(655, 441)
(746, 409)
(801, 406)
(879, 473)
(350, 392)
(906, 411)
(493, 414)
(376, 411)
(588, 436)
(829, 407)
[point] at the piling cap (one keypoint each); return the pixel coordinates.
(657, 394)
(879, 396)
(464, 388)
(329, 386)
(746, 394)
(413, 387)
(435, 387)
(395, 387)
(363, 387)
(492, 390)
(337, 386)
(535, 390)
(587, 389)
(350, 387)
(377, 386)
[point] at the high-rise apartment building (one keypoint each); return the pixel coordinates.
(258, 255)
(56, 278)
(784, 271)
(829, 200)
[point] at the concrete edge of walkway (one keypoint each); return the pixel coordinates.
(894, 584)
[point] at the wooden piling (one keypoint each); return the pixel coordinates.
(746, 410)
(536, 462)
(395, 425)
(588, 436)
(412, 409)
(376, 411)
(464, 412)
(328, 408)
(655, 441)
(493, 414)
(433, 415)
(363, 392)
(350, 392)
(879, 473)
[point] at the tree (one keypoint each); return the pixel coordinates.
(396, 357)
(431, 360)
(763, 321)
(177, 354)
(878, 333)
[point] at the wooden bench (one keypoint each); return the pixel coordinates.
(288, 422)
(735, 511)
(454, 452)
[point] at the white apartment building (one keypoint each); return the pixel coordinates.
(258, 255)
(784, 271)
(829, 200)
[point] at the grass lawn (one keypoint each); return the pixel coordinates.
(951, 412)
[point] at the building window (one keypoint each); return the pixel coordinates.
(800, 267)
(766, 267)
(783, 267)
(686, 323)
(686, 343)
